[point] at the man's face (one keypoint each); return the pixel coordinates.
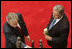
(13, 23)
(56, 14)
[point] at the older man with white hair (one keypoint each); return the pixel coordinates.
(14, 27)
(57, 30)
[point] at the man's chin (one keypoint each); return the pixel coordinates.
(14, 26)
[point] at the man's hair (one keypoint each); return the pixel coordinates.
(11, 16)
(59, 8)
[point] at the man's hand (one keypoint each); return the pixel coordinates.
(48, 37)
(28, 38)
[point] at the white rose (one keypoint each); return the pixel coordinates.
(45, 30)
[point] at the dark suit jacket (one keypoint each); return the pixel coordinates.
(11, 33)
(59, 33)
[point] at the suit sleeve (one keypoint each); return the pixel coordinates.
(63, 36)
(25, 30)
(22, 24)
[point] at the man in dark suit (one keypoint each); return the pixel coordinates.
(57, 30)
(14, 27)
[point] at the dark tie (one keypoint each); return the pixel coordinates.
(52, 24)
(19, 29)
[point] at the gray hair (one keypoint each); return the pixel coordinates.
(11, 16)
(59, 8)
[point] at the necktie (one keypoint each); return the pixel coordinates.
(52, 24)
(19, 29)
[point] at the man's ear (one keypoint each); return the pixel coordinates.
(8, 21)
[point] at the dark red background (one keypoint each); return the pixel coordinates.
(36, 15)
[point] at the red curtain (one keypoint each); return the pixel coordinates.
(36, 15)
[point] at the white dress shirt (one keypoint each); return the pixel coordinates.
(57, 20)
